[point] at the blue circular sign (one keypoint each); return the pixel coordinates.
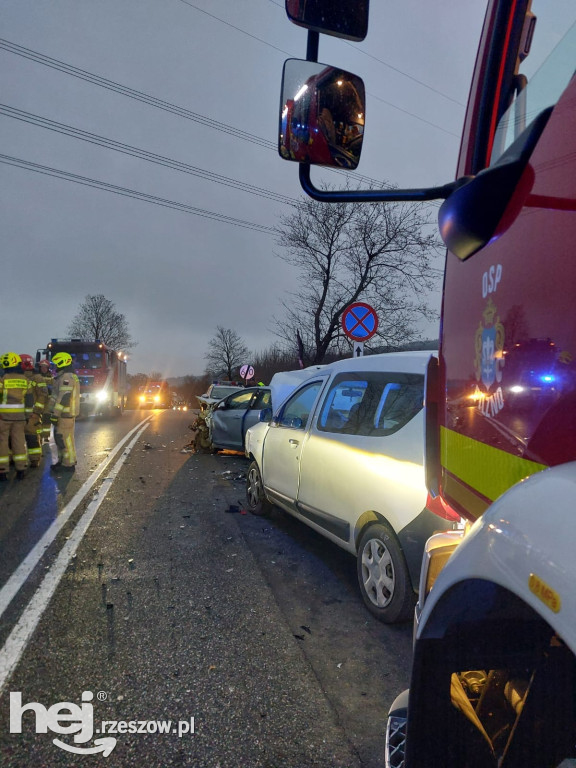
(359, 321)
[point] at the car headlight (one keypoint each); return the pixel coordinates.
(102, 395)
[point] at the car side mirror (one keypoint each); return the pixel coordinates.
(322, 115)
(265, 415)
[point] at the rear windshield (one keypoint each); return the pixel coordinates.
(373, 403)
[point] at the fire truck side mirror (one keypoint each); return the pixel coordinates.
(488, 204)
(339, 18)
(322, 115)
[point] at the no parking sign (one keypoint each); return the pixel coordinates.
(359, 321)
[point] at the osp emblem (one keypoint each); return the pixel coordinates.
(489, 360)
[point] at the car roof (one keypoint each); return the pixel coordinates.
(286, 382)
(414, 361)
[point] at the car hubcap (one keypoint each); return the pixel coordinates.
(254, 488)
(377, 573)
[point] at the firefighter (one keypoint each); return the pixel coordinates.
(64, 407)
(36, 400)
(46, 425)
(13, 389)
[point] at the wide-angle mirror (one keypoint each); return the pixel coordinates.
(322, 115)
(342, 18)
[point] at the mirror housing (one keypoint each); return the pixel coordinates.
(474, 214)
(265, 415)
(322, 115)
(339, 18)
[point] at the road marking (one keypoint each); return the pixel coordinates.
(18, 578)
(11, 652)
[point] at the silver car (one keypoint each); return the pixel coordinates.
(217, 392)
(231, 417)
(344, 454)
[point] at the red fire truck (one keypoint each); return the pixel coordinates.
(155, 394)
(102, 374)
(494, 669)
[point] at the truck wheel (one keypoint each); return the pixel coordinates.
(257, 502)
(383, 576)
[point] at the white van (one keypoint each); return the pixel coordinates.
(344, 454)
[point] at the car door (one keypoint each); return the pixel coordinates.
(262, 399)
(227, 418)
(364, 452)
(284, 441)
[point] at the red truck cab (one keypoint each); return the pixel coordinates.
(494, 670)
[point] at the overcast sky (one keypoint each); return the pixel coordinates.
(213, 70)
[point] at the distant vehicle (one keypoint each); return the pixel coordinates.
(344, 454)
(217, 391)
(155, 394)
(101, 371)
(231, 418)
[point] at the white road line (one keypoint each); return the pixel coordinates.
(11, 652)
(18, 578)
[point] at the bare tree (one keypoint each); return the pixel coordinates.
(226, 352)
(380, 254)
(98, 319)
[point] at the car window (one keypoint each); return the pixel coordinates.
(373, 403)
(263, 399)
(221, 392)
(241, 401)
(296, 410)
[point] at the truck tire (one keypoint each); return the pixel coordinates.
(383, 576)
(256, 500)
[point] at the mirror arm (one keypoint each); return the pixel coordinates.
(375, 195)
(312, 46)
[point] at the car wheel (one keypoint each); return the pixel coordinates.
(257, 502)
(383, 576)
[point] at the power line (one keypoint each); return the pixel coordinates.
(371, 56)
(153, 101)
(90, 77)
(243, 31)
(92, 138)
(159, 103)
(123, 90)
(135, 194)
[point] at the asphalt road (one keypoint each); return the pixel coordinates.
(169, 607)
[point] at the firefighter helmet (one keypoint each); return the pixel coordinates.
(45, 362)
(62, 359)
(10, 360)
(27, 362)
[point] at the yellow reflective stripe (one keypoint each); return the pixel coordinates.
(484, 468)
(469, 500)
(16, 384)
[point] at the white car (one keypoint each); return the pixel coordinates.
(344, 454)
(218, 391)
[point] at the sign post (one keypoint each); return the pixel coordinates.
(359, 323)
